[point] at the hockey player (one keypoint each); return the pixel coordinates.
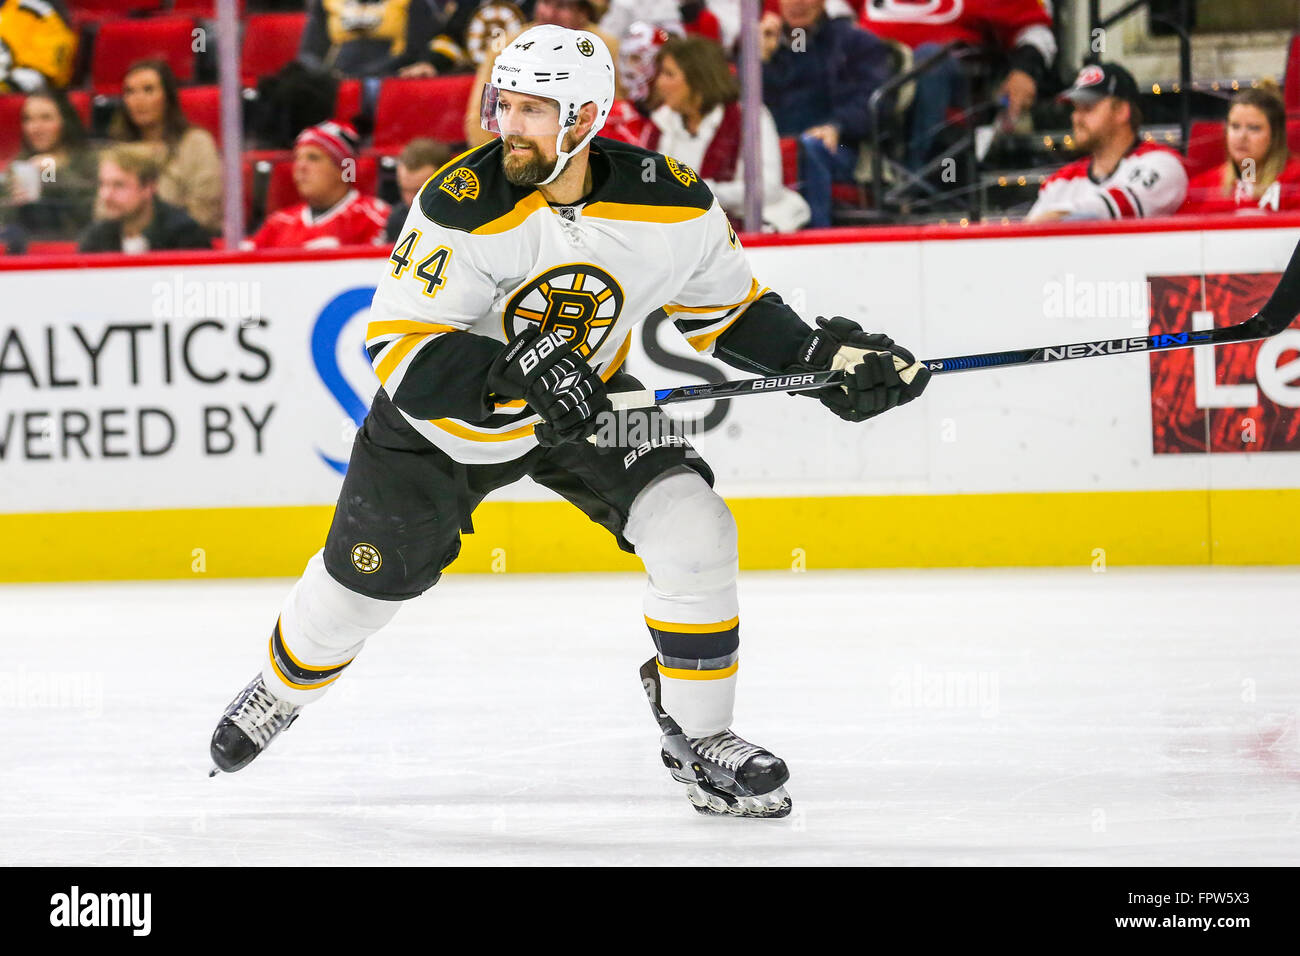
(502, 318)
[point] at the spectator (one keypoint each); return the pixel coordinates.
(699, 124)
(150, 113)
(419, 159)
(1120, 177)
(629, 119)
(37, 47)
(370, 37)
(471, 31)
(1021, 29)
(818, 76)
(134, 218)
(51, 185)
(1259, 174)
(573, 14)
(675, 16)
(332, 212)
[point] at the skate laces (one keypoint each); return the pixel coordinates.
(724, 748)
(261, 714)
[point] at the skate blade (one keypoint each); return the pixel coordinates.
(771, 806)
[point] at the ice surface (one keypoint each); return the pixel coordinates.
(928, 717)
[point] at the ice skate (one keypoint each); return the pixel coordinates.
(250, 723)
(727, 775)
(724, 774)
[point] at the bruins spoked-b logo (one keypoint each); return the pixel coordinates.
(580, 301)
(586, 47)
(366, 558)
(460, 184)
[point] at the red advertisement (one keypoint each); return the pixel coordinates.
(1230, 398)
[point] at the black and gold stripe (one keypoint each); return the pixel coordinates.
(294, 672)
(696, 651)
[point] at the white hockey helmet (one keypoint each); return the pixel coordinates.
(571, 67)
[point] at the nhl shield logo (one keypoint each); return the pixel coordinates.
(586, 47)
(681, 172)
(579, 300)
(460, 184)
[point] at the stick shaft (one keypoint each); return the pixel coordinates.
(1254, 328)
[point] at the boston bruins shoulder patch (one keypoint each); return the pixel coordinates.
(681, 172)
(460, 184)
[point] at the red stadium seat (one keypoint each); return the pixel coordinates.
(11, 132)
(270, 41)
(80, 100)
(421, 107)
(51, 247)
(92, 11)
(347, 104)
(281, 192)
(205, 9)
(121, 42)
(202, 107)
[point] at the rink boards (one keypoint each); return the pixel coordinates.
(190, 415)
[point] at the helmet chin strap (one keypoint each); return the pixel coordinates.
(562, 157)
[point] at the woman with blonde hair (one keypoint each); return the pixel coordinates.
(151, 113)
(1259, 174)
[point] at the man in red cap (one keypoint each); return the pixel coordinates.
(333, 212)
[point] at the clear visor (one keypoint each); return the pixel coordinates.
(490, 109)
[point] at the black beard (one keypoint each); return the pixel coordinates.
(526, 172)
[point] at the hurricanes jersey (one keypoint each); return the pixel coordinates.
(480, 259)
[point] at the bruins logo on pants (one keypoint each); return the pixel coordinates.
(580, 301)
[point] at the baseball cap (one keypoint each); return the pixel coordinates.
(1096, 81)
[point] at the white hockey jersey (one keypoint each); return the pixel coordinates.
(1149, 181)
(480, 255)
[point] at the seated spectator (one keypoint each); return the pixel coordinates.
(676, 16)
(134, 218)
(1260, 174)
(1121, 177)
(572, 14)
(699, 124)
(629, 119)
(472, 32)
(37, 46)
(51, 185)
(370, 37)
(332, 212)
(150, 113)
(1021, 29)
(419, 159)
(818, 76)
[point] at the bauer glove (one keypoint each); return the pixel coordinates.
(555, 381)
(878, 375)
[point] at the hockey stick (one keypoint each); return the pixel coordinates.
(1282, 307)
(1249, 331)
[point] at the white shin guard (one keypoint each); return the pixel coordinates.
(686, 537)
(322, 626)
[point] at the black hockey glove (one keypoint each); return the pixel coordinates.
(555, 381)
(879, 375)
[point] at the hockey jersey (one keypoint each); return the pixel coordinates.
(1205, 193)
(1004, 24)
(1149, 181)
(482, 256)
(355, 220)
